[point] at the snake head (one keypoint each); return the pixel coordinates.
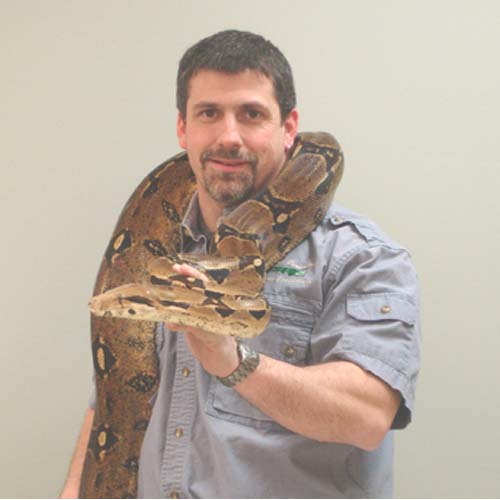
(125, 301)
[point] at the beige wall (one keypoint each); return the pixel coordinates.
(410, 88)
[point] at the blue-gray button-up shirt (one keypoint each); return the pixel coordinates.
(348, 292)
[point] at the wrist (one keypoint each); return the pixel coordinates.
(225, 359)
(248, 362)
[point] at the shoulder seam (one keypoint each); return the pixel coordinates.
(345, 257)
(341, 262)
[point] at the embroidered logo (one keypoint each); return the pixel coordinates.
(289, 271)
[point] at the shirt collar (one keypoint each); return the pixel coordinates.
(192, 230)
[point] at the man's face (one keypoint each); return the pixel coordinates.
(233, 134)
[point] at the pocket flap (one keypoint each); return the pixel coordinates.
(381, 306)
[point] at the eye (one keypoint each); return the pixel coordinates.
(253, 114)
(208, 113)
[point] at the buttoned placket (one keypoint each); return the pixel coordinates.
(178, 435)
(182, 407)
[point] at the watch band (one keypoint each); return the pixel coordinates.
(249, 360)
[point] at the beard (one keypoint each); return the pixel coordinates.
(229, 188)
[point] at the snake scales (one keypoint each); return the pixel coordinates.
(136, 281)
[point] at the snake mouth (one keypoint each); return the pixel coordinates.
(96, 308)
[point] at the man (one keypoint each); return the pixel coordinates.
(305, 409)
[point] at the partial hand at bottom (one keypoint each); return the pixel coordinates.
(216, 353)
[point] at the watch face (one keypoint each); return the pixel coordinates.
(243, 352)
(246, 353)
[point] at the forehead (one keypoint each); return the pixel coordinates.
(231, 88)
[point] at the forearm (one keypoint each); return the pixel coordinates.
(72, 484)
(333, 402)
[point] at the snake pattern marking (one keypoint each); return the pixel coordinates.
(136, 281)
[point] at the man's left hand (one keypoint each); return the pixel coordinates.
(216, 353)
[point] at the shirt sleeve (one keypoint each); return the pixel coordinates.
(370, 318)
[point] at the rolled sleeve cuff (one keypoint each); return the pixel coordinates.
(392, 377)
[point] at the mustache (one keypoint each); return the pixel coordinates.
(227, 154)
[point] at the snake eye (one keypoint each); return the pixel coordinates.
(131, 312)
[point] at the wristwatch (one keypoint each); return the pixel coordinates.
(249, 360)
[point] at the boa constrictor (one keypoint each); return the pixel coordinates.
(136, 281)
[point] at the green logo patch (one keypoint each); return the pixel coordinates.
(289, 271)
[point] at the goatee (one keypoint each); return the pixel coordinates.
(229, 188)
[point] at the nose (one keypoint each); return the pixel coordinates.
(229, 137)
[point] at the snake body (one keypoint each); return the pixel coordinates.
(136, 281)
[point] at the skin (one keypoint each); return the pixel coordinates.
(72, 485)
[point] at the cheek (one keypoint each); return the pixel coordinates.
(195, 148)
(194, 159)
(200, 141)
(270, 146)
(270, 163)
(276, 154)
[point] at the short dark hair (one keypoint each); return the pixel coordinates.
(232, 51)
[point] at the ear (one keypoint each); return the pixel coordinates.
(291, 125)
(181, 131)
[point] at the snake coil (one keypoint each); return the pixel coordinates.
(136, 281)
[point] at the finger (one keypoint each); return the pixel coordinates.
(188, 270)
(174, 327)
(207, 338)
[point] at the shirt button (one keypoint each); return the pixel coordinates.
(174, 494)
(385, 309)
(179, 432)
(186, 372)
(289, 351)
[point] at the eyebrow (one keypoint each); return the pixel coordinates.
(254, 104)
(205, 104)
(211, 104)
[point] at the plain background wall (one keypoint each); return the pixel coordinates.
(410, 88)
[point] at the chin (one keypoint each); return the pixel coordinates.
(229, 199)
(232, 192)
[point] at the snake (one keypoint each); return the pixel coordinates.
(137, 287)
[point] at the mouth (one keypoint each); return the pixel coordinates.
(226, 165)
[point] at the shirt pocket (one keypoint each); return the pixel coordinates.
(286, 338)
(381, 326)
(381, 306)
